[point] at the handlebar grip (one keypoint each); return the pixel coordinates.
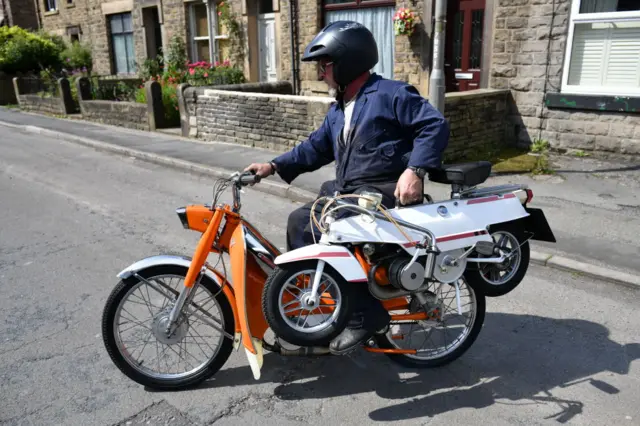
(249, 178)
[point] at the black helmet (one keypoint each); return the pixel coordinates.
(349, 45)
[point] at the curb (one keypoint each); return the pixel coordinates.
(300, 195)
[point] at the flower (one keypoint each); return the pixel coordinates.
(206, 74)
(220, 13)
(192, 71)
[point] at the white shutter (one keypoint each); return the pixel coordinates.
(587, 55)
(606, 54)
(623, 66)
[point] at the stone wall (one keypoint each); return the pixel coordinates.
(276, 122)
(477, 119)
(37, 103)
(279, 122)
(125, 114)
(67, 15)
(530, 37)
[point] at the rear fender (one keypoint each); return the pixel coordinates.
(340, 259)
(185, 262)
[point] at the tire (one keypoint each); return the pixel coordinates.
(385, 342)
(271, 305)
(203, 372)
(476, 279)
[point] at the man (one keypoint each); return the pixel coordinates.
(383, 136)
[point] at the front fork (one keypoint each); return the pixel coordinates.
(196, 270)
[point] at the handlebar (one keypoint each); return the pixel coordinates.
(246, 178)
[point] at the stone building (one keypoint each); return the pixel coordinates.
(572, 66)
(19, 12)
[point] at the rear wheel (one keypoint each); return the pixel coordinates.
(134, 322)
(498, 279)
(445, 335)
(285, 303)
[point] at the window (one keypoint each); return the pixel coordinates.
(202, 17)
(122, 43)
(377, 16)
(603, 49)
(50, 5)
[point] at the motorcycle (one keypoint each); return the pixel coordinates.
(431, 265)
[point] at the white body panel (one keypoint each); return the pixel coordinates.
(341, 259)
(463, 223)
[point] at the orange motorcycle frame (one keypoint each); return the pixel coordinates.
(252, 258)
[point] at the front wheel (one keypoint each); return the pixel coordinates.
(134, 330)
(287, 307)
(498, 279)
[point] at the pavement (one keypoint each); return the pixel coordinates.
(593, 206)
(559, 349)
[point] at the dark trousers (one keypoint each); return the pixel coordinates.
(299, 235)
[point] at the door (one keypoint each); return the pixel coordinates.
(463, 54)
(267, 42)
(153, 31)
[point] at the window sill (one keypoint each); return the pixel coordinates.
(70, 5)
(612, 103)
(52, 13)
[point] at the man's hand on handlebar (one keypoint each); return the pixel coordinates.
(261, 169)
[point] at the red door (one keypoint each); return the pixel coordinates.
(463, 53)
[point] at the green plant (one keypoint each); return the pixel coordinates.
(151, 68)
(540, 146)
(77, 57)
(176, 59)
(236, 36)
(22, 51)
(581, 153)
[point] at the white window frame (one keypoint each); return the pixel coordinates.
(51, 5)
(588, 18)
(212, 18)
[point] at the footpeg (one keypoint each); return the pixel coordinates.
(485, 248)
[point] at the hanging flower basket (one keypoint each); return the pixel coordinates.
(404, 21)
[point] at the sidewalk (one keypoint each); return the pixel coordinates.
(592, 206)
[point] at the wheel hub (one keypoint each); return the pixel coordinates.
(159, 328)
(306, 303)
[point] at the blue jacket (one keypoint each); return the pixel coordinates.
(393, 127)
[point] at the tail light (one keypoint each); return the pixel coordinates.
(529, 196)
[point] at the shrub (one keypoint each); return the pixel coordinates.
(77, 57)
(22, 51)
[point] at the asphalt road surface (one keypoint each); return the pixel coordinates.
(561, 348)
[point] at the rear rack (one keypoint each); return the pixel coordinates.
(461, 192)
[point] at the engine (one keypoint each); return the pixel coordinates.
(390, 262)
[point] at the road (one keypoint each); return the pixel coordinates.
(560, 348)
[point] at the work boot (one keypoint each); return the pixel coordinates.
(362, 325)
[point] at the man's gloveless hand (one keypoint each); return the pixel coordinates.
(261, 169)
(409, 188)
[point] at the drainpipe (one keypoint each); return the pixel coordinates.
(293, 53)
(437, 84)
(38, 14)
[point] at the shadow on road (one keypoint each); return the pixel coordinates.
(516, 358)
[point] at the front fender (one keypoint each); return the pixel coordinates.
(340, 259)
(185, 262)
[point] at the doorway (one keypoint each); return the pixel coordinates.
(463, 51)
(152, 31)
(267, 43)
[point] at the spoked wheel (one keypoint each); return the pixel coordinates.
(498, 279)
(291, 313)
(134, 330)
(445, 335)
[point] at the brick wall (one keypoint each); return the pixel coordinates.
(279, 122)
(36, 103)
(125, 114)
(530, 37)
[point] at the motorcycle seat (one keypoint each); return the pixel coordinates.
(465, 174)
